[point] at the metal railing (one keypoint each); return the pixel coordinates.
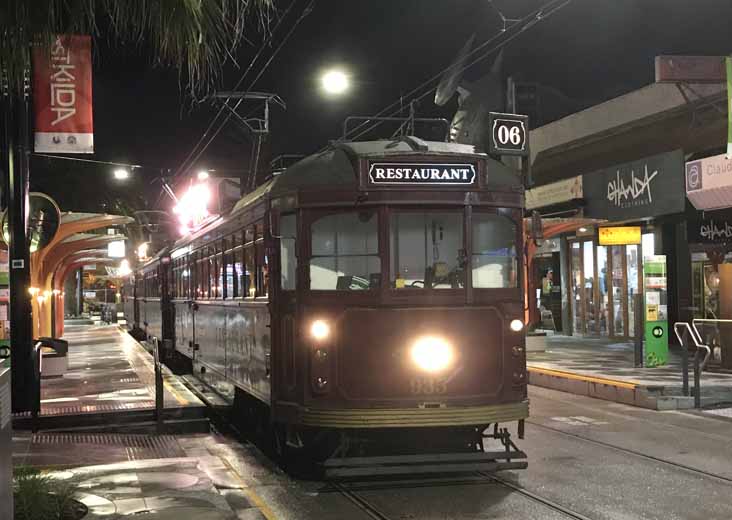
(693, 332)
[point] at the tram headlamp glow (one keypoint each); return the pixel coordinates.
(432, 354)
(517, 325)
(320, 330)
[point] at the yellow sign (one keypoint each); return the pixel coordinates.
(651, 312)
(619, 236)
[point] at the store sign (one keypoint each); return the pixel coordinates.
(709, 182)
(709, 227)
(116, 249)
(62, 96)
(554, 193)
(619, 236)
(421, 174)
(645, 188)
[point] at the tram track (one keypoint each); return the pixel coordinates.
(676, 465)
(569, 513)
(482, 478)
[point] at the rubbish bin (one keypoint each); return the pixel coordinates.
(55, 357)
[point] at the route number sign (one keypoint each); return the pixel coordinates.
(509, 134)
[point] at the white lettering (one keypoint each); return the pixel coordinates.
(618, 193)
(712, 232)
(62, 83)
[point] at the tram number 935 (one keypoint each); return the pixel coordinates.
(428, 385)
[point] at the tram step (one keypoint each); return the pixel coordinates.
(348, 467)
(188, 420)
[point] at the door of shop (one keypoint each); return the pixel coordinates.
(604, 284)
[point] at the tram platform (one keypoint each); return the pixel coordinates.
(602, 368)
(110, 387)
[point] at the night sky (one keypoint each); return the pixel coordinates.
(591, 50)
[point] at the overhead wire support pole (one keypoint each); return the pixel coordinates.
(258, 127)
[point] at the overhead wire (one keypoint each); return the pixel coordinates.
(287, 36)
(523, 24)
(241, 79)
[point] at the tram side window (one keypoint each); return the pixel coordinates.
(262, 263)
(345, 252)
(427, 250)
(248, 286)
(288, 257)
(494, 261)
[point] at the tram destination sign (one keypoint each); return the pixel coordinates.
(457, 174)
(509, 134)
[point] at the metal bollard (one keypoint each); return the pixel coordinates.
(697, 381)
(639, 331)
(685, 369)
(159, 403)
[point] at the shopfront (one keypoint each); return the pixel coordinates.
(605, 263)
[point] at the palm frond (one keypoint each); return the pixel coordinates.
(195, 36)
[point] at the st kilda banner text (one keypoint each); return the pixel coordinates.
(62, 96)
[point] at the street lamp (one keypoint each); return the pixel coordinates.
(335, 82)
(202, 175)
(121, 174)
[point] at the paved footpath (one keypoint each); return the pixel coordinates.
(588, 459)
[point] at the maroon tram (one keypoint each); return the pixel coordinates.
(369, 299)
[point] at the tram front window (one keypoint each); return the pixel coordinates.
(427, 250)
(345, 252)
(494, 261)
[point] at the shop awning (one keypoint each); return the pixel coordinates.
(709, 182)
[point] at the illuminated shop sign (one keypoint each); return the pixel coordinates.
(619, 236)
(421, 173)
(644, 188)
(710, 227)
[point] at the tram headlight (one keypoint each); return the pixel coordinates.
(432, 353)
(320, 330)
(517, 325)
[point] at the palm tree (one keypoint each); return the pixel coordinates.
(195, 36)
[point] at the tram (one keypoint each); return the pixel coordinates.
(367, 300)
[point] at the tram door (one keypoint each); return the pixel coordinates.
(284, 305)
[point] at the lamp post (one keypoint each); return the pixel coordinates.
(15, 149)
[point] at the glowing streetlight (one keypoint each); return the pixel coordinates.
(192, 207)
(124, 268)
(142, 250)
(202, 175)
(335, 82)
(121, 174)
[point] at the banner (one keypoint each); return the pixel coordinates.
(62, 96)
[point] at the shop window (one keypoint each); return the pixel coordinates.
(288, 254)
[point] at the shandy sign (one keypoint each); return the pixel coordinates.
(656, 311)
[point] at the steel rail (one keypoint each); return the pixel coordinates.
(690, 469)
(360, 502)
(537, 498)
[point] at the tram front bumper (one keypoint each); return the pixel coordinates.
(414, 417)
